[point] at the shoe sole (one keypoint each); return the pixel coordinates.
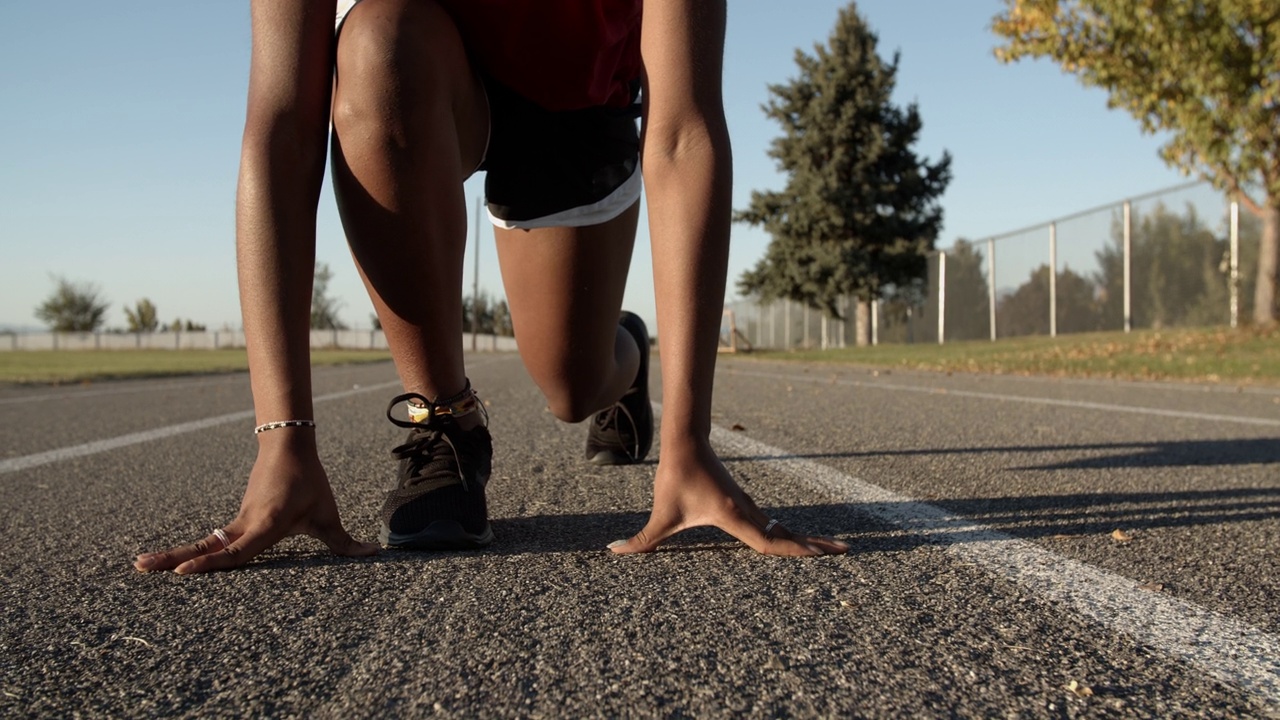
(439, 535)
(611, 457)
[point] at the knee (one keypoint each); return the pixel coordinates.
(575, 398)
(386, 47)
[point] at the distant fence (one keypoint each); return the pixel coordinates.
(1179, 257)
(218, 340)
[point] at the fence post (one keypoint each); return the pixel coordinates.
(1128, 266)
(942, 297)
(991, 285)
(1053, 279)
(786, 323)
(844, 320)
(1235, 264)
(806, 326)
(773, 325)
(875, 321)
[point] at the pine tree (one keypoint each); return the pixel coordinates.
(860, 209)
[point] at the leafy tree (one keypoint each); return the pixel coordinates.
(178, 325)
(494, 316)
(1205, 71)
(860, 210)
(374, 321)
(324, 309)
(73, 307)
(1025, 311)
(502, 319)
(484, 313)
(142, 317)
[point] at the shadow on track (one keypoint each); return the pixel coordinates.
(1156, 454)
(1029, 518)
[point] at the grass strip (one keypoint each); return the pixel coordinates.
(79, 366)
(1213, 355)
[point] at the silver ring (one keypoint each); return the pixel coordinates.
(769, 528)
(222, 538)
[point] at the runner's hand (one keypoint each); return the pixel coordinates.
(693, 489)
(288, 494)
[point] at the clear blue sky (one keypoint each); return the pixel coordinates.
(119, 144)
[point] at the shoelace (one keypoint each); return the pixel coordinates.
(608, 420)
(429, 448)
(431, 453)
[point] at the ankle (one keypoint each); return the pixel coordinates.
(472, 420)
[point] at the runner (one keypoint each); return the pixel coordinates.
(418, 95)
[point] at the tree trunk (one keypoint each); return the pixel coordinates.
(1264, 295)
(862, 323)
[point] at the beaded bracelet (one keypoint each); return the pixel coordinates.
(283, 424)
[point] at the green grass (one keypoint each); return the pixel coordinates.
(1241, 357)
(79, 366)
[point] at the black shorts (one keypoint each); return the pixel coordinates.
(554, 169)
(559, 169)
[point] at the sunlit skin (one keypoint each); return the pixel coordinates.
(407, 133)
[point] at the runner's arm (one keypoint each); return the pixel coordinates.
(688, 181)
(281, 169)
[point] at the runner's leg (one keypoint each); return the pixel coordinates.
(410, 123)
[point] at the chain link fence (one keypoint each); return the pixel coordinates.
(1179, 257)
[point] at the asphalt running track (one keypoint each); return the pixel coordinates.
(985, 580)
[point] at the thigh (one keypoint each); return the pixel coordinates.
(564, 288)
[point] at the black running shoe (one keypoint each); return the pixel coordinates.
(438, 503)
(623, 434)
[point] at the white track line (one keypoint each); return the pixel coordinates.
(1229, 650)
(97, 446)
(141, 385)
(1078, 404)
(76, 394)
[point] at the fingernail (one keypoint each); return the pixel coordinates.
(617, 543)
(182, 569)
(144, 563)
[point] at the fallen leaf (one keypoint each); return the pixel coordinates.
(1151, 587)
(1079, 690)
(1121, 536)
(738, 427)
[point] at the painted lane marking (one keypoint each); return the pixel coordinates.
(135, 386)
(1230, 650)
(26, 462)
